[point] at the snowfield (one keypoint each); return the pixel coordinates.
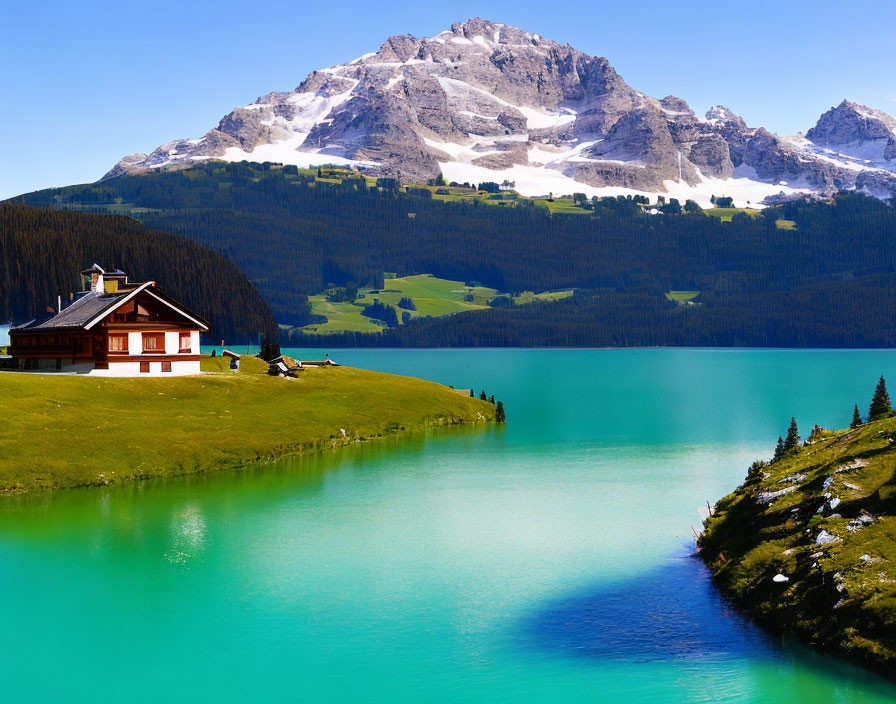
(535, 181)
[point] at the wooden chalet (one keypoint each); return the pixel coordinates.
(113, 327)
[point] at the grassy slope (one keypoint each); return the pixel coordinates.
(432, 296)
(682, 296)
(840, 595)
(66, 431)
(725, 215)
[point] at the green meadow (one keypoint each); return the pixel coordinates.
(682, 296)
(431, 295)
(69, 431)
(808, 543)
(725, 215)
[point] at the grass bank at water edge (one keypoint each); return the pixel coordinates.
(807, 544)
(63, 431)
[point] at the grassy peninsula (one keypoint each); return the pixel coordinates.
(69, 431)
(808, 543)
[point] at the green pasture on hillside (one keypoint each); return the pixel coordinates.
(71, 430)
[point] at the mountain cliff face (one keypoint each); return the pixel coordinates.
(489, 102)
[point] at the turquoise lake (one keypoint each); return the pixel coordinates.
(545, 561)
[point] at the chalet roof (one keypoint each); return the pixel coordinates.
(93, 306)
(79, 313)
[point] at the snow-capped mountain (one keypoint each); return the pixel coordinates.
(489, 102)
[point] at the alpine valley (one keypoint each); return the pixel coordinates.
(488, 187)
(489, 102)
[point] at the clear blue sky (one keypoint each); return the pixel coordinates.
(85, 83)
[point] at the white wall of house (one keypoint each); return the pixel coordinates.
(183, 368)
(135, 349)
(172, 343)
(155, 369)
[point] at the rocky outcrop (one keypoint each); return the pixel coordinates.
(851, 123)
(487, 95)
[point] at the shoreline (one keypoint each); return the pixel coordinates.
(66, 432)
(805, 546)
(308, 449)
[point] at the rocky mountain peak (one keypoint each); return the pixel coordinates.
(852, 123)
(485, 101)
(721, 114)
(673, 104)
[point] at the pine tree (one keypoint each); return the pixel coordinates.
(482, 396)
(779, 449)
(880, 403)
(471, 393)
(793, 436)
(491, 399)
(499, 413)
(856, 418)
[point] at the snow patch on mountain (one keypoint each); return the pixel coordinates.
(485, 101)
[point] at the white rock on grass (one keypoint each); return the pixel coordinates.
(856, 464)
(780, 578)
(858, 523)
(766, 497)
(824, 538)
(793, 478)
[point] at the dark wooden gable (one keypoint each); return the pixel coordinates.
(144, 310)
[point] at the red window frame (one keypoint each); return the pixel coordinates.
(188, 337)
(158, 346)
(144, 367)
(166, 366)
(118, 336)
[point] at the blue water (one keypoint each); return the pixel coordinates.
(548, 560)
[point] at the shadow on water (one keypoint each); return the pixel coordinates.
(672, 613)
(675, 614)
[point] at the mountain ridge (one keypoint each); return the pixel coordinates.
(487, 101)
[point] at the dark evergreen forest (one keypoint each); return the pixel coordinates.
(42, 252)
(827, 281)
(860, 313)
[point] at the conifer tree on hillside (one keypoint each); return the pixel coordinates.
(793, 436)
(499, 413)
(880, 403)
(482, 396)
(779, 449)
(856, 418)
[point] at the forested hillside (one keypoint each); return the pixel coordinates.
(42, 252)
(859, 313)
(822, 281)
